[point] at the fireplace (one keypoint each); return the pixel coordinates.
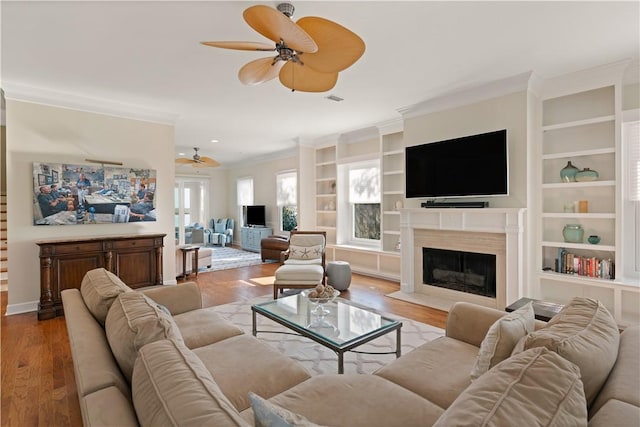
(460, 271)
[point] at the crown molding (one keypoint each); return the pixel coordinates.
(276, 155)
(23, 93)
(363, 134)
(495, 89)
(578, 81)
(391, 126)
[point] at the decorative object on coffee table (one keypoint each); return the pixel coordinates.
(339, 275)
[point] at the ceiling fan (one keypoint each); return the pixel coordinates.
(309, 52)
(198, 161)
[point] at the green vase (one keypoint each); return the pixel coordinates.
(586, 174)
(568, 173)
(573, 233)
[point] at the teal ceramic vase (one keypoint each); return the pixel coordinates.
(573, 233)
(586, 174)
(568, 173)
(593, 239)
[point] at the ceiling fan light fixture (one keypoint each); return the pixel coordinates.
(286, 8)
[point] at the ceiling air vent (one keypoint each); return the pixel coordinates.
(335, 98)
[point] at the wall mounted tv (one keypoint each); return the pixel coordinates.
(470, 166)
(255, 216)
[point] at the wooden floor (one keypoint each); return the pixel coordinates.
(38, 385)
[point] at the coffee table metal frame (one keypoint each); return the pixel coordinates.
(339, 349)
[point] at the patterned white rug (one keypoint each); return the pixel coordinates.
(227, 258)
(318, 359)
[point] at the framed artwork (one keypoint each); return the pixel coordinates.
(74, 194)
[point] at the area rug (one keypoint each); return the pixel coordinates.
(227, 258)
(318, 359)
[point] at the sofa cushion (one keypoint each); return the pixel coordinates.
(437, 371)
(243, 363)
(268, 414)
(357, 400)
(616, 413)
(107, 407)
(99, 288)
(203, 327)
(172, 387)
(502, 337)
(133, 321)
(585, 333)
(536, 387)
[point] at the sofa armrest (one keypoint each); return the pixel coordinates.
(470, 322)
(178, 299)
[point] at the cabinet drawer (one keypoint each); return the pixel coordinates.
(77, 248)
(134, 243)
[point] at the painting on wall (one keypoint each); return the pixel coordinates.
(65, 194)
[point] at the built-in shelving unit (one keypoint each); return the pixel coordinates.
(326, 179)
(393, 189)
(581, 123)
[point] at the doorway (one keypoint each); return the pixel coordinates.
(191, 206)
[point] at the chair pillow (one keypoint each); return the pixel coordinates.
(99, 288)
(305, 252)
(269, 414)
(220, 227)
(133, 321)
(502, 337)
(171, 386)
(585, 333)
(534, 388)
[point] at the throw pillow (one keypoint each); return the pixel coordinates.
(220, 227)
(99, 289)
(534, 388)
(585, 333)
(268, 414)
(305, 252)
(133, 321)
(502, 337)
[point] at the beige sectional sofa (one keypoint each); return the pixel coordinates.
(155, 357)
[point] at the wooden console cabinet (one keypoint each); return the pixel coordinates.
(136, 259)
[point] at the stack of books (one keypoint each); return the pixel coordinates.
(568, 263)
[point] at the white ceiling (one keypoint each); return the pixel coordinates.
(147, 54)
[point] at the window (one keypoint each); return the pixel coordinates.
(287, 200)
(359, 217)
(190, 205)
(244, 195)
(631, 198)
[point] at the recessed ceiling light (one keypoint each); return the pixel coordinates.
(180, 154)
(214, 140)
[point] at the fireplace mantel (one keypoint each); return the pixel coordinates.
(507, 224)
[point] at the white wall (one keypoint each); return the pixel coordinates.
(38, 133)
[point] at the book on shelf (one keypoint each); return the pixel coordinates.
(569, 263)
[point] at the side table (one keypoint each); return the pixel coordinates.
(194, 263)
(542, 310)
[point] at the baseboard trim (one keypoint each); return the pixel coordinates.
(25, 307)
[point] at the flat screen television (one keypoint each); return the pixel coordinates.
(470, 166)
(255, 216)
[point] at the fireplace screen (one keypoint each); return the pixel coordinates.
(460, 271)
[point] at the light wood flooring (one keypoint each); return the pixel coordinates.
(38, 386)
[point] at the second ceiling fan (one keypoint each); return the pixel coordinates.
(309, 53)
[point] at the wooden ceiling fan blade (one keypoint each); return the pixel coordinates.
(259, 71)
(338, 47)
(184, 161)
(238, 45)
(305, 79)
(208, 162)
(276, 26)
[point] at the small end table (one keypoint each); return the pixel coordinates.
(542, 310)
(194, 263)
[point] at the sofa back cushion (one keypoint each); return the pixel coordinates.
(99, 288)
(133, 321)
(502, 337)
(585, 333)
(172, 387)
(535, 387)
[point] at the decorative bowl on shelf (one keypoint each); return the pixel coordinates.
(586, 175)
(593, 239)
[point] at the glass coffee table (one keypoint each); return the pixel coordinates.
(340, 325)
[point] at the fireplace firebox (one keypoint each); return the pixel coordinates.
(469, 272)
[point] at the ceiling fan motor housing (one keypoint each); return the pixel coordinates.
(286, 8)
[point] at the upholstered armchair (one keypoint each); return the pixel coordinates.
(221, 231)
(305, 263)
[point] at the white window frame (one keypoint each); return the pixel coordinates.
(185, 208)
(286, 198)
(345, 223)
(244, 196)
(631, 196)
